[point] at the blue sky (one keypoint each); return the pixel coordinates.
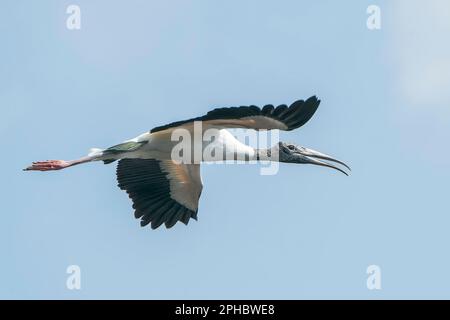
(306, 232)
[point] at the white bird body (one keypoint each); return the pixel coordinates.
(160, 145)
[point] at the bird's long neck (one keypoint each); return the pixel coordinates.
(264, 154)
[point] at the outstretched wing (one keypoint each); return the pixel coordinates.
(162, 191)
(253, 117)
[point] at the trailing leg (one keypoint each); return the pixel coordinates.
(107, 156)
(49, 165)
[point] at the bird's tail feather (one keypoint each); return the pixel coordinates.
(95, 152)
(128, 146)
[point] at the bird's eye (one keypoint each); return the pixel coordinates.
(291, 147)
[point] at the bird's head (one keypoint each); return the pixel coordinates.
(291, 153)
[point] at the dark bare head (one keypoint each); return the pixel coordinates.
(291, 153)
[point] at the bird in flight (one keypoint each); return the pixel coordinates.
(165, 191)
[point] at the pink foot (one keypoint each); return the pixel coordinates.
(48, 165)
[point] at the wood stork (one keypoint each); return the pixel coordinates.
(164, 191)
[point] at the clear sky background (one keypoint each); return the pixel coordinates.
(306, 232)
